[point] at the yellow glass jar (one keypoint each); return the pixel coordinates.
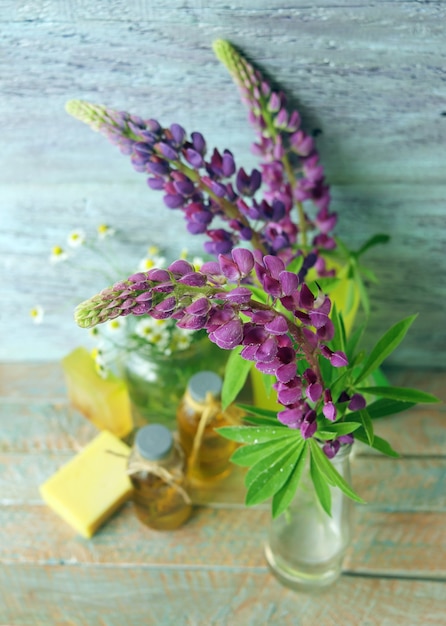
(199, 414)
(157, 469)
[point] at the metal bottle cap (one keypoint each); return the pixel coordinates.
(203, 383)
(154, 442)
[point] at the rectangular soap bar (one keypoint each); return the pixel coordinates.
(89, 488)
(105, 402)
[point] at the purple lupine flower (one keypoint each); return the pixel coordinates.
(214, 300)
(331, 448)
(357, 402)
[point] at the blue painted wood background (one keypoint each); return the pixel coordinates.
(369, 76)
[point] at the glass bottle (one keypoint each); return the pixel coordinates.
(306, 547)
(157, 470)
(198, 415)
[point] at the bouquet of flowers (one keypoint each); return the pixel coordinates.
(271, 296)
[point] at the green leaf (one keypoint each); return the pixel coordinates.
(367, 424)
(402, 394)
(339, 384)
(336, 430)
(339, 341)
(321, 486)
(269, 475)
(379, 378)
(379, 444)
(382, 408)
(260, 421)
(283, 497)
(259, 294)
(330, 472)
(296, 264)
(248, 455)
(267, 380)
(385, 346)
(373, 241)
(236, 373)
(363, 293)
(353, 341)
(258, 411)
(257, 434)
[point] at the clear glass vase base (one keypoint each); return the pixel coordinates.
(304, 576)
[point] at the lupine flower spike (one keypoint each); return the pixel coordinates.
(290, 165)
(216, 300)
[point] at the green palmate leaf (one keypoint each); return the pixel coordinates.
(385, 346)
(260, 421)
(402, 394)
(257, 434)
(259, 294)
(267, 381)
(383, 407)
(373, 241)
(296, 264)
(266, 477)
(321, 486)
(339, 384)
(336, 430)
(379, 444)
(236, 373)
(363, 293)
(353, 341)
(379, 378)
(259, 412)
(248, 455)
(369, 275)
(339, 340)
(270, 459)
(367, 424)
(283, 497)
(331, 474)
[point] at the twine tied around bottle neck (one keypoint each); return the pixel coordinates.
(139, 464)
(208, 410)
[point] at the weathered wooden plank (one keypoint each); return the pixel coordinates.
(28, 382)
(400, 544)
(44, 426)
(392, 544)
(66, 596)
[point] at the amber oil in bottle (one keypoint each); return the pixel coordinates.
(157, 470)
(198, 415)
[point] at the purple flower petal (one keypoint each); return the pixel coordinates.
(357, 402)
(244, 260)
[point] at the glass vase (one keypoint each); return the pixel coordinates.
(156, 382)
(306, 547)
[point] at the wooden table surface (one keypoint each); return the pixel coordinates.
(212, 571)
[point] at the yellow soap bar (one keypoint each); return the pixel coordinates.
(90, 487)
(105, 402)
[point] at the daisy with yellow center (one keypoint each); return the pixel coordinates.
(105, 231)
(76, 238)
(58, 254)
(153, 259)
(36, 314)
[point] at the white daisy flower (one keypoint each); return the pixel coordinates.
(116, 325)
(105, 231)
(37, 314)
(150, 261)
(58, 255)
(76, 238)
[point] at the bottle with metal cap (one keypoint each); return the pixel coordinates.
(199, 414)
(157, 470)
